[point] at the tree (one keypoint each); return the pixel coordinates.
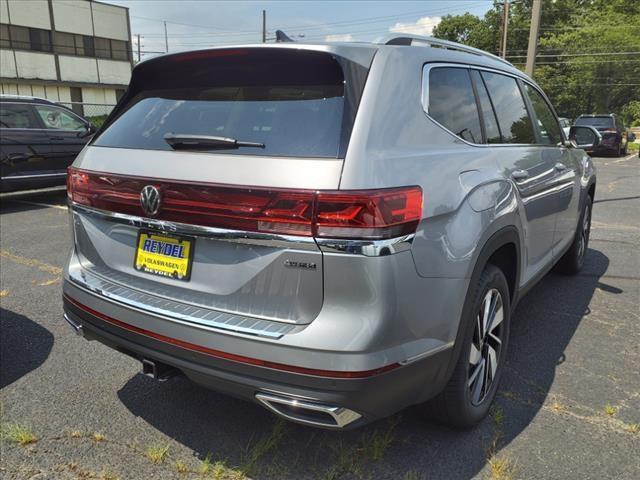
(575, 65)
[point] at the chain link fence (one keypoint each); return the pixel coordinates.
(96, 113)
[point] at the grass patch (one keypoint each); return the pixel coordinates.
(498, 415)
(98, 437)
(412, 475)
(610, 410)
(20, 434)
(377, 444)
(633, 147)
(501, 468)
(157, 453)
(264, 445)
(633, 428)
(109, 476)
(76, 434)
(181, 467)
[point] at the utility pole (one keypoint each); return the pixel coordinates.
(138, 36)
(264, 26)
(505, 26)
(166, 39)
(536, 11)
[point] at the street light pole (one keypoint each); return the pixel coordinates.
(264, 26)
(505, 26)
(536, 11)
(166, 39)
(138, 35)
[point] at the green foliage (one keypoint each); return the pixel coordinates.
(572, 64)
(631, 113)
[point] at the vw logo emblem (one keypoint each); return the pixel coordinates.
(150, 200)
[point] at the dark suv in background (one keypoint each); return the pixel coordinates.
(39, 139)
(614, 135)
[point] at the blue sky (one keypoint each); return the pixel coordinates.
(202, 23)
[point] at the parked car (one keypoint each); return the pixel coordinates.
(39, 139)
(565, 124)
(334, 231)
(614, 135)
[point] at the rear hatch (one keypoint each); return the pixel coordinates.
(605, 124)
(167, 204)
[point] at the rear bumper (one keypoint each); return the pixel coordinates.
(375, 395)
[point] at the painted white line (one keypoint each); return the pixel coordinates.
(628, 157)
(38, 204)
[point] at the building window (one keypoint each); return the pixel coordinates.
(119, 50)
(103, 47)
(23, 38)
(76, 99)
(4, 36)
(36, 39)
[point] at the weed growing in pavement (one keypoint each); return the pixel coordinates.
(501, 468)
(375, 446)
(264, 445)
(610, 410)
(498, 415)
(157, 453)
(633, 428)
(76, 434)
(20, 434)
(181, 467)
(98, 437)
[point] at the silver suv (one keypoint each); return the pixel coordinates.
(334, 231)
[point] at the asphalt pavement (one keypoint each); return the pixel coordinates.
(568, 406)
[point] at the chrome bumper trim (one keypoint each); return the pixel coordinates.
(368, 248)
(223, 234)
(179, 312)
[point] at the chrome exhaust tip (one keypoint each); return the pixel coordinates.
(308, 413)
(76, 326)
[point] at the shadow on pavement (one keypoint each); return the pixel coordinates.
(24, 346)
(241, 433)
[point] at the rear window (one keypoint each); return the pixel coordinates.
(595, 121)
(292, 102)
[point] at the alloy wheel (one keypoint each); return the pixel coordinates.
(584, 231)
(486, 346)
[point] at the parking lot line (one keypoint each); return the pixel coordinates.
(40, 204)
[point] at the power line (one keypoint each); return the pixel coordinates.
(578, 54)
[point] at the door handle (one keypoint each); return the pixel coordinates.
(560, 166)
(519, 175)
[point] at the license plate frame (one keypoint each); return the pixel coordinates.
(180, 240)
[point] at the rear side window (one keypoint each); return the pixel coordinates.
(17, 115)
(513, 118)
(547, 124)
(58, 118)
(292, 102)
(452, 102)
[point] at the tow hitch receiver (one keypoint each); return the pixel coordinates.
(158, 371)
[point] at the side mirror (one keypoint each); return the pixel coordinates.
(631, 137)
(90, 129)
(584, 137)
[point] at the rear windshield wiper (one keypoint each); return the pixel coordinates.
(184, 141)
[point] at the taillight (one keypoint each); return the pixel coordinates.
(368, 214)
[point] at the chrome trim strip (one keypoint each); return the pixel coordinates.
(368, 248)
(223, 234)
(342, 416)
(42, 175)
(426, 354)
(178, 312)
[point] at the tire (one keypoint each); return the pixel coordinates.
(573, 260)
(624, 150)
(464, 402)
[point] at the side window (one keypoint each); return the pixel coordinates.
(510, 108)
(547, 125)
(58, 119)
(452, 103)
(491, 128)
(16, 115)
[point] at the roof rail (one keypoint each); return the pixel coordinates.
(407, 39)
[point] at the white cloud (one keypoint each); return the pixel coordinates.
(422, 26)
(340, 37)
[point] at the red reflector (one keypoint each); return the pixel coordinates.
(367, 214)
(231, 356)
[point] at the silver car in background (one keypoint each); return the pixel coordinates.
(334, 231)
